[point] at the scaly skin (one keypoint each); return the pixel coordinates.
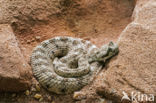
(65, 64)
(104, 53)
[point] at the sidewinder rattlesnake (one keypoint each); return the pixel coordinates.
(65, 64)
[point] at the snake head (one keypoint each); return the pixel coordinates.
(104, 53)
(112, 49)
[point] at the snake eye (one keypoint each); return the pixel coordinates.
(111, 43)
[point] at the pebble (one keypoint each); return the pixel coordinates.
(27, 92)
(38, 88)
(101, 100)
(28, 41)
(79, 96)
(86, 38)
(49, 98)
(33, 40)
(41, 99)
(37, 96)
(37, 38)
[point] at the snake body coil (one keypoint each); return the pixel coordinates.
(65, 64)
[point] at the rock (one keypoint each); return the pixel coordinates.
(37, 87)
(28, 41)
(79, 96)
(146, 15)
(41, 99)
(22, 14)
(49, 98)
(37, 38)
(32, 40)
(15, 73)
(86, 38)
(38, 96)
(134, 69)
(27, 92)
(101, 100)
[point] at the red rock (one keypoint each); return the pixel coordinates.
(146, 15)
(15, 73)
(133, 70)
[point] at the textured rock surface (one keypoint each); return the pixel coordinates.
(23, 14)
(134, 68)
(146, 14)
(14, 75)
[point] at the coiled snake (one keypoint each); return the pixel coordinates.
(65, 64)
